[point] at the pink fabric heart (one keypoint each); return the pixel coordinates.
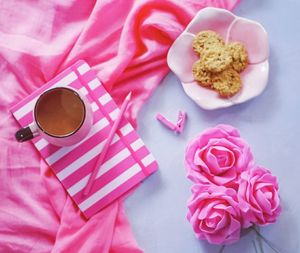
(258, 197)
(214, 214)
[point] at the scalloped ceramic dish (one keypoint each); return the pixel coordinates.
(232, 28)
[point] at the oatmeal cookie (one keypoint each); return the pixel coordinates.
(239, 56)
(216, 59)
(205, 39)
(201, 75)
(227, 83)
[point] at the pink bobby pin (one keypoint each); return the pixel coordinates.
(178, 128)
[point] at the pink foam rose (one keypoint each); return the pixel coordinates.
(218, 156)
(214, 214)
(258, 197)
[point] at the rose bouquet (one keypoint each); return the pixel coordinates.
(230, 192)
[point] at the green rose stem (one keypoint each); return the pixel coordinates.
(258, 238)
(254, 245)
(222, 249)
(261, 237)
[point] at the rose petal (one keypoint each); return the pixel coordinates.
(224, 156)
(220, 206)
(198, 160)
(181, 57)
(225, 178)
(269, 195)
(195, 222)
(219, 159)
(212, 162)
(205, 228)
(253, 36)
(211, 223)
(200, 236)
(253, 202)
(234, 231)
(222, 223)
(268, 177)
(230, 130)
(214, 19)
(263, 185)
(216, 134)
(200, 190)
(224, 142)
(205, 210)
(276, 201)
(263, 202)
(214, 214)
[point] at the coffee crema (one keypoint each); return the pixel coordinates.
(60, 112)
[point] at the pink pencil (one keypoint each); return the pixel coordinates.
(114, 128)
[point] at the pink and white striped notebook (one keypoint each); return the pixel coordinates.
(127, 162)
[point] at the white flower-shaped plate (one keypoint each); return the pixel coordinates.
(232, 28)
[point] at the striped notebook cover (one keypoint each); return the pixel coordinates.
(127, 162)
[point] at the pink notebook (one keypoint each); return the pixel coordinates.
(127, 162)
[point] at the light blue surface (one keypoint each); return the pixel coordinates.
(270, 124)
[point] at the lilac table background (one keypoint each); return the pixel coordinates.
(270, 123)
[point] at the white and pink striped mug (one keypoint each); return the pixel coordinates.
(61, 116)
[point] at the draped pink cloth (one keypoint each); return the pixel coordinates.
(126, 42)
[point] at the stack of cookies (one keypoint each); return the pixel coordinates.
(220, 65)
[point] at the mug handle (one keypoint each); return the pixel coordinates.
(27, 133)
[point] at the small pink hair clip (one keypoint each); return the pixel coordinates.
(167, 123)
(178, 128)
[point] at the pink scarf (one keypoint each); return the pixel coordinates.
(126, 42)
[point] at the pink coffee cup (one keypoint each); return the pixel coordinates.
(61, 115)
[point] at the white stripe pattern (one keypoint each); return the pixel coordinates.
(94, 83)
(122, 178)
(148, 160)
(126, 129)
(113, 115)
(71, 168)
(41, 144)
(82, 69)
(137, 144)
(107, 166)
(104, 99)
(94, 106)
(83, 91)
